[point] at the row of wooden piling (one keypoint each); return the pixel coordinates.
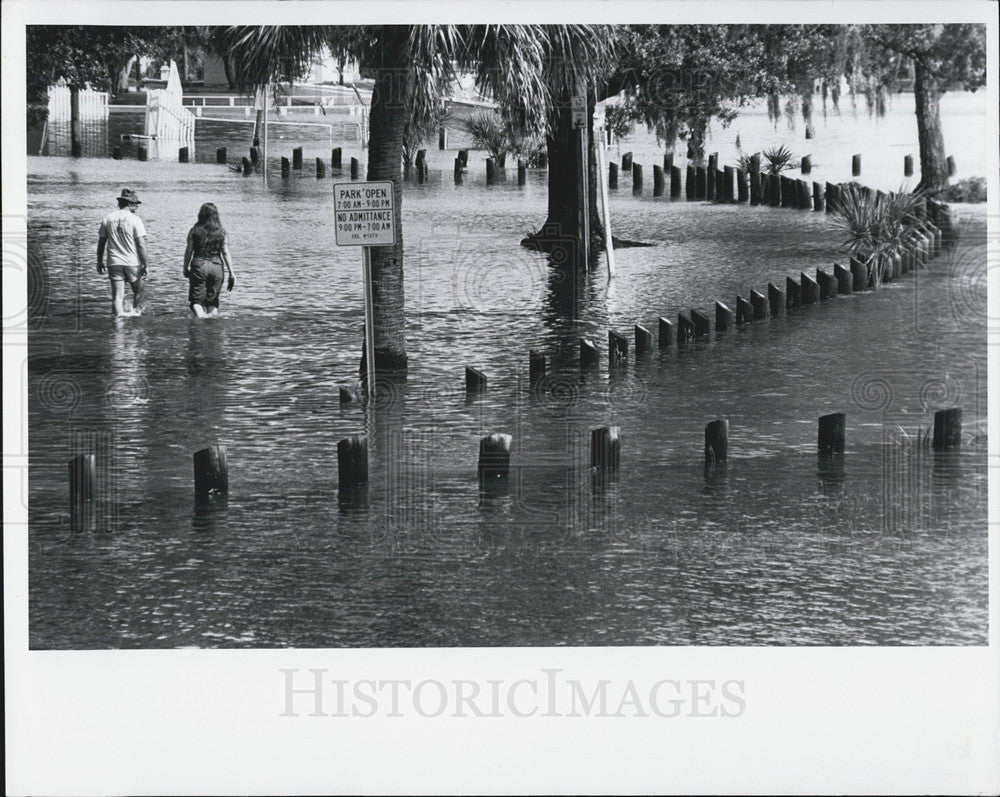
(211, 470)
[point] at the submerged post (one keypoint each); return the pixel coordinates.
(588, 354)
(636, 178)
(491, 170)
(220, 155)
(643, 340)
(744, 311)
(475, 381)
(755, 186)
(536, 366)
(617, 348)
(947, 428)
(612, 175)
(685, 328)
(807, 164)
(336, 158)
(522, 171)
(759, 303)
(82, 478)
(247, 166)
(355, 168)
(775, 298)
(211, 471)
(286, 167)
(352, 462)
(494, 458)
(723, 317)
(907, 166)
(320, 168)
(658, 180)
(810, 289)
(675, 182)
(297, 158)
(183, 154)
(856, 165)
(605, 448)
(844, 278)
(666, 332)
(793, 293)
(716, 441)
(832, 433)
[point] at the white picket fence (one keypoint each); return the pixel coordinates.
(166, 118)
(93, 104)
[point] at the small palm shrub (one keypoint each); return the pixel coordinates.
(878, 227)
(489, 132)
(778, 159)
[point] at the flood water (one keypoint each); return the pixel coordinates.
(886, 545)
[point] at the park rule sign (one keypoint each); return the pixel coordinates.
(364, 213)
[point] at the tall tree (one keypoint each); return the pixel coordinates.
(944, 57)
(412, 64)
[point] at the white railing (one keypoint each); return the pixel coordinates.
(166, 118)
(93, 104)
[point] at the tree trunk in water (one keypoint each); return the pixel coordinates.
(933, 163)
(391, 99)
(75, 144)
(698, 128)
(565, 183)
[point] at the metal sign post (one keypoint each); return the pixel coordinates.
(602, 178)
(365, 216)
(579, 109)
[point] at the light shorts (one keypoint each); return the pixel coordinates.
(129, 274)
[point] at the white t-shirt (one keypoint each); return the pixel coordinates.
(121, 228)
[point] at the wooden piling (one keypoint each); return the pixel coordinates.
(336, 158)
(475, 381)
(612, 175)
(702, 324)
(352, 462)
(713, 167)
(643, 340)
(605, 448)
(775, 299)
(220, 155)
(700, 183)
(617, 349)
(442, 137)
(116, 153)
(297, 158)
(856, 165)
(247, 166)
(458, 171)
(947, 428)
(845, 281)
(82, 479)
(589, 356)
(494, 458)
(668, 162)
(658, 181)
(742, 191)
(636, 178)
(827, 285)
(859, 274)
(756, 196)
(759, 305)
(831, 193)
(774, 190)
(536, 366)
(716, 441)
(786, 190)
(744, 311)
(810, 289)
(355, 168)
(211, 471)
(675, 182)
(691, 184)
(723, 317)
(793, 294)
(491, 171)
(728, 184)
(141, 153)
(832, 433)
(818, 203)
(951, 166)
(627, 162)
(348, 396)
(666, 332)
(685, 328)
(254, 155)
(183, 154)
(805, 196)
(522, 171)
(807, 165)
(907, 166)
(463, 155)
(320, 168)
(286, 167)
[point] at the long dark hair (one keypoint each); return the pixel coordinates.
(208, 232)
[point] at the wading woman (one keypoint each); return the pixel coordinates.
(206, 256)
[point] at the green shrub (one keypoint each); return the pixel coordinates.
(972, 189)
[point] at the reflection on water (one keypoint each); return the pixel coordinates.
(885, 544)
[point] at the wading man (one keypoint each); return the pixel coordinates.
(121, 235)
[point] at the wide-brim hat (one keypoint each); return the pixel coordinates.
(130, 196)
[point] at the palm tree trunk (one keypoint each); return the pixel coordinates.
(565, 183)
(933, 163)
(390, 106)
